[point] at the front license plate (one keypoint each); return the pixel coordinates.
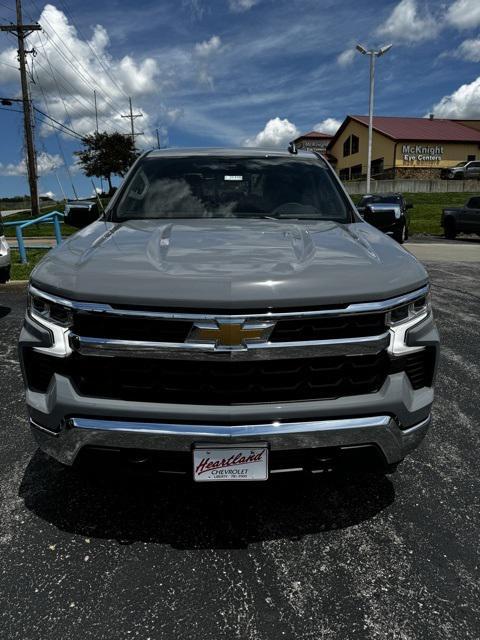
(212, 464)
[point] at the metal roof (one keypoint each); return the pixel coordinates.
(315, 134)
(434, 130)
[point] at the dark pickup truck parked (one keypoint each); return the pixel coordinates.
(462, 219)
(388, 212)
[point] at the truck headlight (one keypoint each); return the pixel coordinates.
(52, 312)
(403, 318)
(411, 311)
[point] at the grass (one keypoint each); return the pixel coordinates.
(427, 209)
(22, 271)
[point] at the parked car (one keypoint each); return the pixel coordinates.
(388, 212)
(80, 213)
(466, 170)
(4, 256)
(231, 316)
(465, 219)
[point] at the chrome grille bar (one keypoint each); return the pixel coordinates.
(197, 351)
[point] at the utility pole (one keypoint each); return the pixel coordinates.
(158, 139)
(132, 117)
(22, 31)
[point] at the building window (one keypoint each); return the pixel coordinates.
(346, 147)
(356, 172)
(470, 158)
(355, 144)
(377, 166)
(344, 174)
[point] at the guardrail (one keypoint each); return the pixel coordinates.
(54, 217)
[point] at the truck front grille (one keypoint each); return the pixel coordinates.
(175, 331)
(227, 383)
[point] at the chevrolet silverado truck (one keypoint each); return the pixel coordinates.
(465, 219)
(230, 316)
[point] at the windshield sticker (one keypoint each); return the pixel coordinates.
(234, 178)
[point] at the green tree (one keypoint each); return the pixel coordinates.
(106, 154)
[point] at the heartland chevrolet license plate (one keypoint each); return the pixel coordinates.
(212, 464)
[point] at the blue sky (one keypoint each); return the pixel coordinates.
(230, 72)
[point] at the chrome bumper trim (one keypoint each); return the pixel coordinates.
(382, 431)
(107, 347)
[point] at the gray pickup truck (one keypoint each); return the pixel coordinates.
(462, 219)
(230, 316)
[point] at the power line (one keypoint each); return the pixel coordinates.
(68, 13)
(60, 124)
(82, 101)
(79, 63)
(12, 66)
(2, 4)
(77, 72)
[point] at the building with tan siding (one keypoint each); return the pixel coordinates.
(403, 147)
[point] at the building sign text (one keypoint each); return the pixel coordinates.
(420, 153)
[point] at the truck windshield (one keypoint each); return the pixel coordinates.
(229, 187)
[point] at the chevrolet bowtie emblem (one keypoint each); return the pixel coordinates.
(229, 335)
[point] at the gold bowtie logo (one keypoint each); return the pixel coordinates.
(233, 335)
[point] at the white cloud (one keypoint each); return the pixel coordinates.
(469, 50)
(238, 6)
(208, 47)
(462, 103)
(464, 14)
(277, 133)
(46, 163)
(329, 125)
(48, 194)
(205, 51)
(346, 57)
(407, 23)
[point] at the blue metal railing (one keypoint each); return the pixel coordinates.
(54, 217)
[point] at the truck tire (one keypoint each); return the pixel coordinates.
(4, 275)
(450, 229)
(401, 235)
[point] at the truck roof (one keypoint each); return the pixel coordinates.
(245, 152)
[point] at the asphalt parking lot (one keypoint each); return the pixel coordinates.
(346, 557)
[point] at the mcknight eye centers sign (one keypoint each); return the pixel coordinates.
(419, 153)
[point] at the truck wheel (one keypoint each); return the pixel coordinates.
(4, 275)
(401, 235)
(450, 229)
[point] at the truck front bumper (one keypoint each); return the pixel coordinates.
(345, 433)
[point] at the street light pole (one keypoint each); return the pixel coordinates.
(373, 54)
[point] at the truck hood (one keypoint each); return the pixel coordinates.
(218, 263)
